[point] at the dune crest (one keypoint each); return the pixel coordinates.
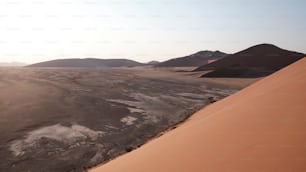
(261, 128)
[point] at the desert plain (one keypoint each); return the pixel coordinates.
(71, 119)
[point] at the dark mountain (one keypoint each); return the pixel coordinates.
(88, 63)
(256, 61)
(153, 63)
(197, 59)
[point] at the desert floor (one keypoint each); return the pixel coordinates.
(59, 119)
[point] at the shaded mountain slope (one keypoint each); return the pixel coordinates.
(197, 59)
(256, 61)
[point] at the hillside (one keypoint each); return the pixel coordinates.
(256, 61)
(197, 59)
(88, 63)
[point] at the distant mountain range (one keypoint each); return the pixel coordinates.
(194, 60)
(88, 63)
(256, 61)
(12, 64)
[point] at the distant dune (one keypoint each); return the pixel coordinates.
(88, 63)
(256, 61)
(153, 62)
(261, 128)
(194, 60)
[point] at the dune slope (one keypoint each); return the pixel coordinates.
(261, 128)
(256, 61)
(193, 60)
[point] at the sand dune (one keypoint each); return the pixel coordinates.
(261, 128)
(88, 63)
(256, 61)
(193, 60)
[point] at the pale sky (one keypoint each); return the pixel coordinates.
(144, 30)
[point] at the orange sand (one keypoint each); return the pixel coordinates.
(259, 129)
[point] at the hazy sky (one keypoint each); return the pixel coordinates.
(144, 30)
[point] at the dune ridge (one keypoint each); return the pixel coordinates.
(256, 61)
(88, 63)
(194, 60)
(261, 128)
